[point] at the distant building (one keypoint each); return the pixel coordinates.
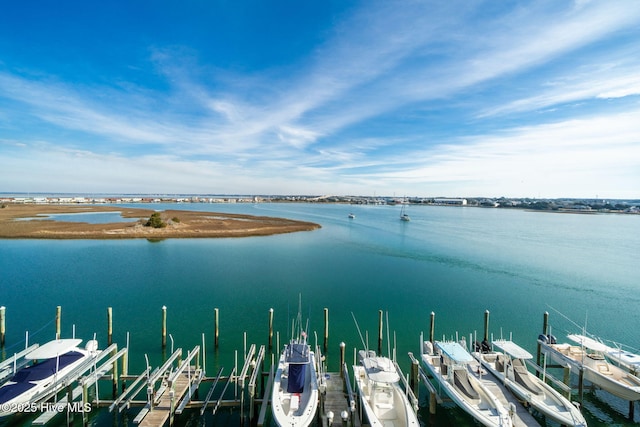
(450, 202)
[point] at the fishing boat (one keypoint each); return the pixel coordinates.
(589, 357)
(509, 367)
(451, 366)
(382, 398)
(352, 216)
(295, 388)
(624, 358)
(46, 370)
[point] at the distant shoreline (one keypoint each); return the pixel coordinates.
(177, 224)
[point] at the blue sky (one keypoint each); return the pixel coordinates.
(416, 98)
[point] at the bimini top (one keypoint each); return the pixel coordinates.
(512, 349)
(588, 342)
(53, 349)
(454, 351)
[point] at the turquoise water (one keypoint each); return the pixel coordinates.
(455, 262)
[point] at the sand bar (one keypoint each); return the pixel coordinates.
(189, 224)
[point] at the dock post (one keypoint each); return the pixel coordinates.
(486, 326)
(342, 350)
(326, 329)
(380, 326)
(85, 401)
(270, 328)
(109, 326)
(69, 400)
(164, 326)
(415, 368)
(432, 327)
(215, 326)
(2, 325)
(632, 410)
(545, 325)
(580, 384)
(114, 389)
(58, 318)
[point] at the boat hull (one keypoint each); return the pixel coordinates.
(295, 409)
(487, 415)
(608, 377)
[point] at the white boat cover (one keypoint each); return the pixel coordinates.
(512, 349)
(588, 343)
(380, 369)
(53, 349)
(455, 351)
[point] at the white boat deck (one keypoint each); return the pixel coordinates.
(522, 417)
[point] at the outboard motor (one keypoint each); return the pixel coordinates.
(91, 346)
(552, 339)
(486, 348)
(427, 348)
(543, 338)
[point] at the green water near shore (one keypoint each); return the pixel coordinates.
(455, 262)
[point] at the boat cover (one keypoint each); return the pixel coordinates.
(454, 351)
(297, 353)
(53, 349)
(512, 349)
(381, 369)
(10, 391)
(296, 380)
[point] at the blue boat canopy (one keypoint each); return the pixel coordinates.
(454, 351)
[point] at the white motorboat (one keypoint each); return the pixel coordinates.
(510, 368)
(404, 216)
(624, 358)
(295, 388)
(589, 356)
(383, 399)
(450, 364)
(48, 367)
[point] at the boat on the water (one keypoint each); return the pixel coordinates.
(621, 357)
(450, 364)
(509, 367)
(404, 216)
(382, 398)
(45, 371)
(589, 356)
(295, 387)
(352, 216)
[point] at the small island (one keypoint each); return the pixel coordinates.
(15, 223)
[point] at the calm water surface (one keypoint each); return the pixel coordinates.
(455, 262)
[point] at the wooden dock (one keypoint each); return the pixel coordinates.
(338, 400)
(167, 402)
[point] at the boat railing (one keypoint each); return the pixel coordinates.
(412, 397)
(562, 386)
(350, 394)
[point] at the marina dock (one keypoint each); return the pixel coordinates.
(157, 395)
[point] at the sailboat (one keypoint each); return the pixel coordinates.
(382, 398)
(44, 370)
(404, 216)
(295, 388)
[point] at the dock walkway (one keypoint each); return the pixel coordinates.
(160, 413)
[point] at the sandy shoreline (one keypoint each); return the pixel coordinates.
(190, 225)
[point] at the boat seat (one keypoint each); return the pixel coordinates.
(462, 383)
(603, 368)
(294, 403)
(521, 375)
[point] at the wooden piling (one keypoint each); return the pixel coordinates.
(58, 321)
(545, 325)
(415, 372)
(432, 327)
(2, 326)
(114, 388)
(215, 326)
(164, 326)
(326, 329)
(486, 326)
(343, 346)
(380, 326)
(270, 328)
(109, 326)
